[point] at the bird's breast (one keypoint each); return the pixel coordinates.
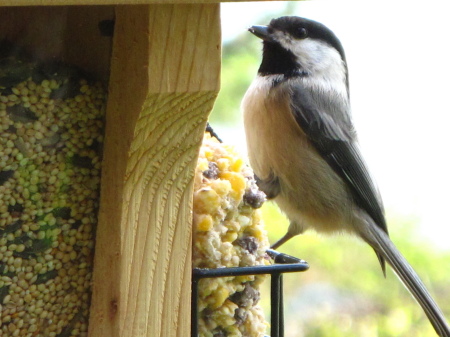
(311, 192)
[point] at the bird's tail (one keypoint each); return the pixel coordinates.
(383, 246)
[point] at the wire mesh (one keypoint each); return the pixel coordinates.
(283, 263)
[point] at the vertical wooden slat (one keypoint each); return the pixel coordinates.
(164, 79)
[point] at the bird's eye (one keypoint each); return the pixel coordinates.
(301, 33)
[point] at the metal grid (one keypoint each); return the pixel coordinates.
(283, 263)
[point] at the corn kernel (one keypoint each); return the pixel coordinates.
(222, 187)
(204, 222)
(230, 236)
(236, 166)
(237, 184)
(223, 164)
(206, 201)
(209, 154)
(202, 165)
(219, 297)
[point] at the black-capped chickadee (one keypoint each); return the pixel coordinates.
(303, 147)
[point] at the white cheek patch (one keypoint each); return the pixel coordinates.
(315, 56)
(320, 60)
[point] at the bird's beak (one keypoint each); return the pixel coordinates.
(262, 32)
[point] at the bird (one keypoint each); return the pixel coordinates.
(303, 146)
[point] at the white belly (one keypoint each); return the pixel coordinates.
(312, 194)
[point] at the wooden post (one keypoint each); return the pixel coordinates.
(164, 79)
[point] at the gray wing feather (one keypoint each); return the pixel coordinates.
(328, 125)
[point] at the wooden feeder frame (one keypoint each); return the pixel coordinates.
(163, 70)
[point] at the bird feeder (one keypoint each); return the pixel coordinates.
(103, 107)
(159, 77)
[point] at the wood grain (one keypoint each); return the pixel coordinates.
(164, 79)
(65, 33)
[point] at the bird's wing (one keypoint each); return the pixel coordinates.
(329, 128)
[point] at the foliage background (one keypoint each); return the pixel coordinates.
(344, 293)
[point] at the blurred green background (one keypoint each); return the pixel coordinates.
(344, 293)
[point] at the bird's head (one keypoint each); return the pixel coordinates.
(295, 46)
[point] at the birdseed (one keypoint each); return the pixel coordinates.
(51, 126)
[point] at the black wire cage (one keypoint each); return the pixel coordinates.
(283, 263)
